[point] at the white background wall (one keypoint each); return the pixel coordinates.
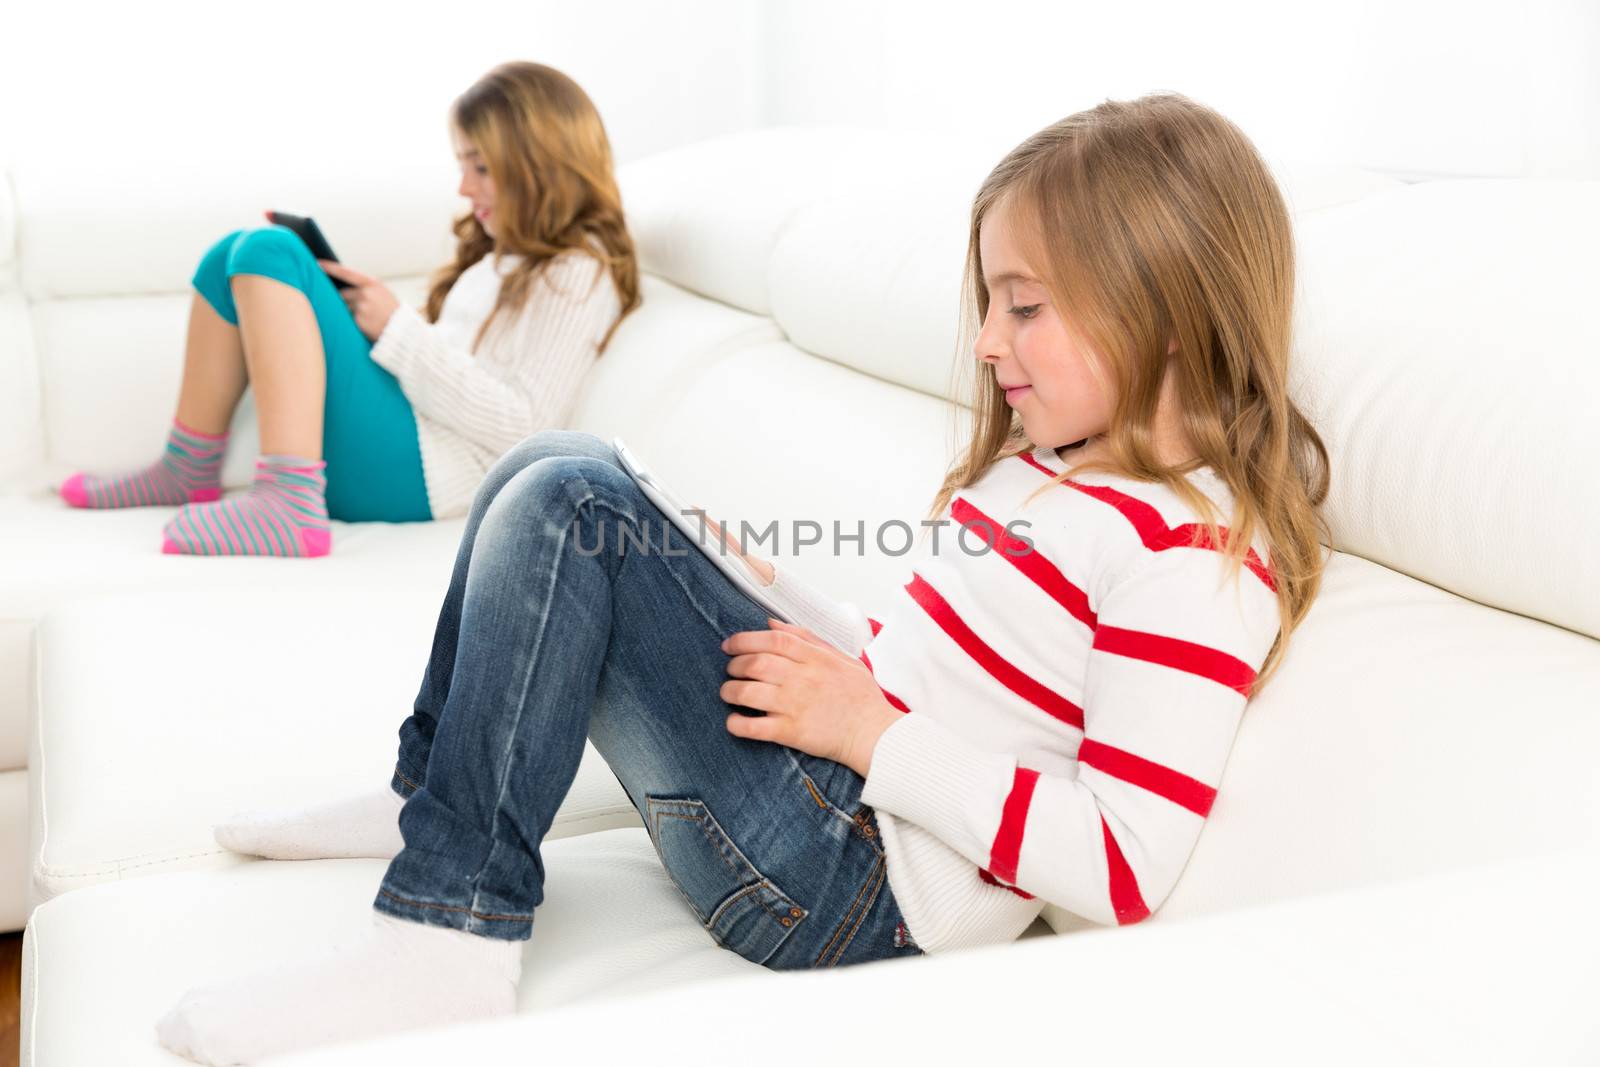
(173, 80)
(1419, 88)
(1414, 87)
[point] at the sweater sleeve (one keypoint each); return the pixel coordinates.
(549, 345)
(1175, 649)
(840, 623)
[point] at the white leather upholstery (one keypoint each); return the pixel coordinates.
(1435, 712)
(1447, 342)
(318, 723)
(1460, 969)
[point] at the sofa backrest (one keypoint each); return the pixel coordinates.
(1443, 342)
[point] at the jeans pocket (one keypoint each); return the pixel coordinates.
(836, 789)
(739, 907)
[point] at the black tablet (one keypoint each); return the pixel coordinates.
(307, 230)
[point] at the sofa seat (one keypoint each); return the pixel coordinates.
(1410, 731)
(136, 791)
(618, 970)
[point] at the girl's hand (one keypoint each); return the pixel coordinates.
(370, 301)
(817, 699)
(757, 564)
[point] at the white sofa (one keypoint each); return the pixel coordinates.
(1403, 847)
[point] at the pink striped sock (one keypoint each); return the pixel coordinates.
(283, 513)
(189, 471)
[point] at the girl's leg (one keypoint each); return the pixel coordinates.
(584, 614)
(366, 824)
(214, 370)
(270, 292)
(283, 348)
(214, 377)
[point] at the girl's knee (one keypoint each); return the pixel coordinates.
(558, 486)
(272, 251)
(547, 444)
(211, 276)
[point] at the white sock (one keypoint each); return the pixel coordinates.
(361, 826)
(399, 975)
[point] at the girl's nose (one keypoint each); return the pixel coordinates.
(986, 347)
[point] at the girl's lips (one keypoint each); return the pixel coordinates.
(1014, 395)
(482, 213)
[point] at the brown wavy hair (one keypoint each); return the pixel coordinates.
(1150, 221)
(555, 189)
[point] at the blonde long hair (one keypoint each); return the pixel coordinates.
(1148, 221)
(555, 190)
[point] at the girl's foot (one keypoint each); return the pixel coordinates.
(398, 975)
(189, 471)
(361, 826)
(283, 514)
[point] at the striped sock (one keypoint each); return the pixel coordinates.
(189, 471)
(282, 514)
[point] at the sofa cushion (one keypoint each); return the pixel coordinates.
(1444, 340)
(707, 215)
(1408, 732)
(164, 712)
(73, 554)
(74, 239)
(871, 277)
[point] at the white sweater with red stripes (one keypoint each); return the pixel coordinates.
(472, 405)
(1069, 709)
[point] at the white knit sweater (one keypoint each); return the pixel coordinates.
(1070, 709)
(473, 406)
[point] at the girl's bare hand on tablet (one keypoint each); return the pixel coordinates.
(369, 300)
(816, 698)
(757, 564)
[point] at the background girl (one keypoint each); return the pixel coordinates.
(374, 411)
(1031, 724)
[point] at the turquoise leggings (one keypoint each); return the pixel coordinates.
(369, 433)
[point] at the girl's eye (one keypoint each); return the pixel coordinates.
(482, 170)
(1026, 312)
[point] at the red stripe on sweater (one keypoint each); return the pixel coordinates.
(894, 701)
(1126, 900)
(985, 876)
(1030, 561)
(1153, 529)
(1002, 670)
(1165, 782)
(1174, 652)
(1007, 847)
(875, 624)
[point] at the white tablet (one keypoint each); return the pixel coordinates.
(699, 532)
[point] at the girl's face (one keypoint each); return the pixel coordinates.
(1042, 366)
(476, 185)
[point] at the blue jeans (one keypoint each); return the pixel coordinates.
(369, 432)
(576, 610)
